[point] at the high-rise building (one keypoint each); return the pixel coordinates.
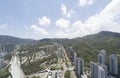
(75, 57)
(60, 53)
(113, 64)
(0, 48)
(8, 48)
(79, 67)
(101, 72)
(57, 46)
(97, 70)
(105, 68)
(103, 52)
(1, 63)
(93, 70)
(50, 49)
(71, 51)
(102, 57)
(68, 50)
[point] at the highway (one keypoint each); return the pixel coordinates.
(15, 68)
(70, 66)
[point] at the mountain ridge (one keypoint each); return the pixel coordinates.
(6, 39)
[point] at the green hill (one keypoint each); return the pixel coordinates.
(89, 46)
(4, 39)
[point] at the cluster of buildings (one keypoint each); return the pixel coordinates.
(113, 65)
(79, 67)
(60, 54)
(99, 69)
(78, 62)
(7, 48)
(4, 50)
(70, 51)
(53, 47)
(50, 49)
(3, 63)
(58, 48)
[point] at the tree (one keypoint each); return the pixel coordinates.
(67, 74)
(35, 77)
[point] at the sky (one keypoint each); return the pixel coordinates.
(38, 19)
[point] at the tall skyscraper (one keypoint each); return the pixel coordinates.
(7, 48)
(60, 52)
(0, 48)
(75, 57)
(113, 65)
(101, 72)
(71, 51)
(1, 63)
(97, 70)
(102, 57)
(57, 46)
(93, 70)
(50, 49)
(105, 68)
(79, 67)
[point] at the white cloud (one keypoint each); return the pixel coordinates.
(62, 23)
(70, 13)
(44, 21)
(91, 2)
(63, 9)
(77, 24)
(65, 12)
(39, 30)
(3, 26)
(86, 2)
(107, 19)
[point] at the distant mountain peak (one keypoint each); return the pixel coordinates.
(109, 33)
(5, 39)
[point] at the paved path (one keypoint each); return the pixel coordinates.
(15, 68)
(73, 74)
(70, 67)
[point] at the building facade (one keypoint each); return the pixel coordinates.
(75, 57)
(102, 57)
(79, 67)
(113, 65)
(50, 49)
(97, 70)
(60, 53)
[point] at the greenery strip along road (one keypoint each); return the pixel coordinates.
(73, 75)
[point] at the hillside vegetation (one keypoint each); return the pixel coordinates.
(4, 39)
(89, 46)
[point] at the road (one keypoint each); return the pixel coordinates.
(17, 72)
(53, 74)
(70, 66)
(15, 68)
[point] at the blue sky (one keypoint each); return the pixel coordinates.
(39, 19)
